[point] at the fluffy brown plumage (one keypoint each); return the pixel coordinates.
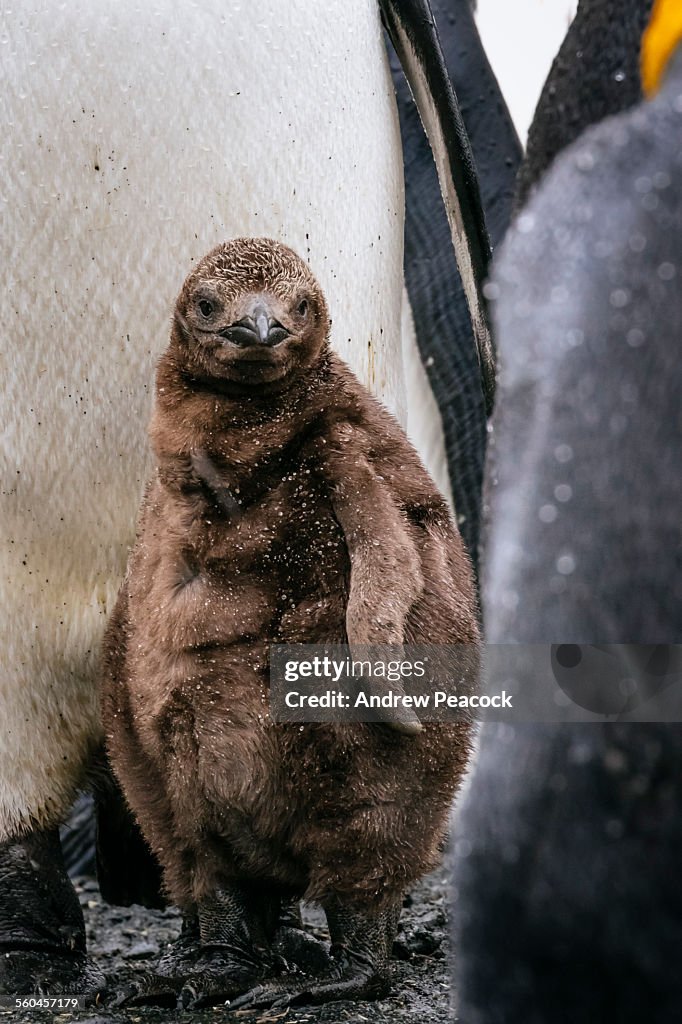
(287, 506)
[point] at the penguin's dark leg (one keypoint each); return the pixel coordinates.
(221, 951)
(42, 932)
(236, 927)
(297, 946)
(362, 940)
(189, 965)
(162, 985)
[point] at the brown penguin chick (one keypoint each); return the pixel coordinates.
(287, 506)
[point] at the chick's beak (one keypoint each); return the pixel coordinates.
(257, 328)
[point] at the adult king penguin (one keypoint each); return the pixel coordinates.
(135, 139)
(568, 902)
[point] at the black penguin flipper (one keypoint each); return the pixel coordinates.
(441, 317)
(412, 30)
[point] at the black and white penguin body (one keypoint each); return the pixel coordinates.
(135, 140)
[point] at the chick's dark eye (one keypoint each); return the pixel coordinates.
(302, 308)
(206, 307)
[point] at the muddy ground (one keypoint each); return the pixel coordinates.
(127, 940)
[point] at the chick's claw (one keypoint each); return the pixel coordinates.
(324, 989)
(149, 990)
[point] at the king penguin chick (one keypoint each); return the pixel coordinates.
(287, 507)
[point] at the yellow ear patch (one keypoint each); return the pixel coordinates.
(660, 41)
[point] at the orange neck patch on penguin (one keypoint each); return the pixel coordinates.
(659, 43)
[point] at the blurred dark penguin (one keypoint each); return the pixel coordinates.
(287, 507)
(567, 900)
(596, 74)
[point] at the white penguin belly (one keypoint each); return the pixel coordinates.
(135, 137)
